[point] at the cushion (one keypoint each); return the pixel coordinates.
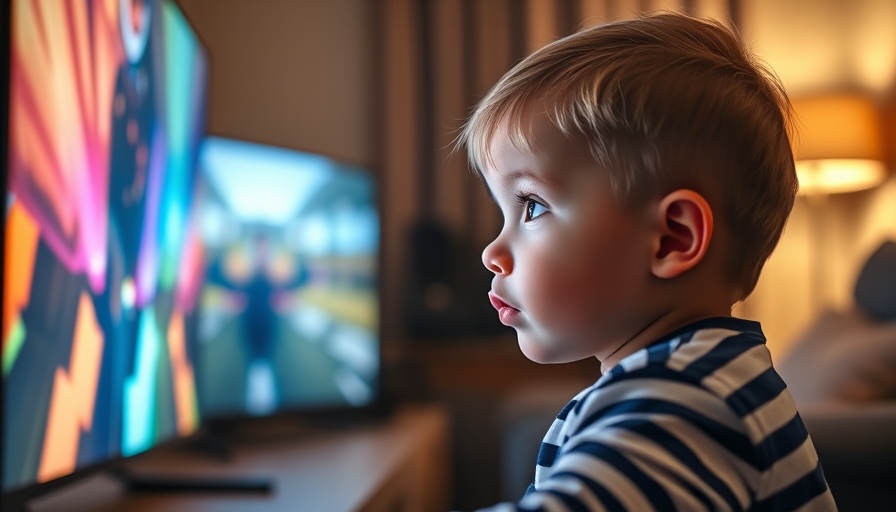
(875, 289)
(842, 357)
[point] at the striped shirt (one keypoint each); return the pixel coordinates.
(700, 420)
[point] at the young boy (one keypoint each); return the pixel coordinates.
(645, 174)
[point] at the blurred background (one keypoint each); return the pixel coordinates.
(386, 84)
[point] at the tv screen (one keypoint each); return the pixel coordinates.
(289, 311)
(102, 260)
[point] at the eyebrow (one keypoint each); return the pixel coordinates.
(511, 177)
(516, 175)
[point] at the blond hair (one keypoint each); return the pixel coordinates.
(664, 102)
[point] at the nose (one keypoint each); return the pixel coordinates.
(496, 257)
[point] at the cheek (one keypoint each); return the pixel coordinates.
(562, 285)
(574, 286)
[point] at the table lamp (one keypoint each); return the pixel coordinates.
(838, 148)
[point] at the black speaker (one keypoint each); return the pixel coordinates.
(446, 293)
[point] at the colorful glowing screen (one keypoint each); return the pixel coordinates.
(289, 311)
(102, 260)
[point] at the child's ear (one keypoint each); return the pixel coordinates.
(686, 225)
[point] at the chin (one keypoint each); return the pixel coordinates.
(539, 351)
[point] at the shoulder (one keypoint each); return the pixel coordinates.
(710, 378)
(705, 405)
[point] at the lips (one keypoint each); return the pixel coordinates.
(506, 312)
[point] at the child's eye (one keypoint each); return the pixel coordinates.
(534, 208)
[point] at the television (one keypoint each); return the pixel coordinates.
(105, 105)
(289, 310)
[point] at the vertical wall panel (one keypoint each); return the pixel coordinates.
(492, 38)
(716, 9)
(494, 58)
(667, 5)
(401, 145)
(567, 17)
(594, 12)
(541, 26)
(450, 104)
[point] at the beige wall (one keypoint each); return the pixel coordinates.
(293, 73)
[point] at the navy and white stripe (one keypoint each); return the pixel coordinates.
(700, 420)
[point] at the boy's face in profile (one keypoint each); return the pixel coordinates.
(571, 265)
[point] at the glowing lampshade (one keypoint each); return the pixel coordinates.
(838, 147)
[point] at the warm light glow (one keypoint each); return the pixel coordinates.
(838, 147)
(835, 176)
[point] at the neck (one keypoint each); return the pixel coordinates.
(661, 325)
